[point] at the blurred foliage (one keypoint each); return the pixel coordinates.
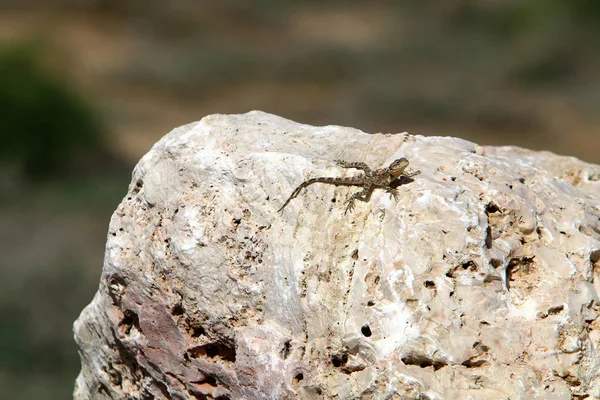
(44, 125)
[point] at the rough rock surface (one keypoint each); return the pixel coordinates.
(480, 282)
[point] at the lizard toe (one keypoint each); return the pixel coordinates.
(349, 206)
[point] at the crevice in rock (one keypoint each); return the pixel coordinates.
(339, 360)
(517, 267)
(571, 380)
(422, 361)
(469, 265)
(490, 209)
(489, 240)
(194, 329)
(115, 376)
(208, 380)
(128, 359)
(177, 378)
(555, 310)
(581, 396)
(285, 352)
(116, 289)
(213, 351)
(103, 389)
(297, 378)
(590, 231)
(476, 361)
(162, 386)
(303, 284)
(177, 310)
(203, 389)
(595, 257)
(470, 363)
(348, 284)
(138, 185)
(510, 269)
(129, 322)
(489, 278)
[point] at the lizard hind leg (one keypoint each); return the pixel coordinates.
(364, 195)
(350, 204)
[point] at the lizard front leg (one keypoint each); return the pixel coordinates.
(393, 192)
(411, 174)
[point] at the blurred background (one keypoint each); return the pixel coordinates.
(86, 87)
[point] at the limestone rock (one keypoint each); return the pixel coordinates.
(480, 282)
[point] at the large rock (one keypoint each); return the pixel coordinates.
(480, 282)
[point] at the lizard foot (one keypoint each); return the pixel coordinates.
(393, 193)
(349, 206)
(411, 174)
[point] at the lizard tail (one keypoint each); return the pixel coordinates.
(297, 191)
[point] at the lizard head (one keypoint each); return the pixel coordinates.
(398, 166)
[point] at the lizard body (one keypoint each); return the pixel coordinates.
(371, 179)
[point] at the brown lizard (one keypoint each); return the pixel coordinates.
(380, 178)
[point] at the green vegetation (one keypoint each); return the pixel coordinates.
(44, 125)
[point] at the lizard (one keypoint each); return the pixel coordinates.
(369, 180)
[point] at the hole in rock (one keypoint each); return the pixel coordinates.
(177, 309)
(595, 256)
(366, 330)
(339, 360)
(469, 265)
(285, 352)
(491, 208)
(489, 239)
(423, 361)
(129, 321)
(213, 350)
(197, 331)
(555, 310)
(474, 364)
